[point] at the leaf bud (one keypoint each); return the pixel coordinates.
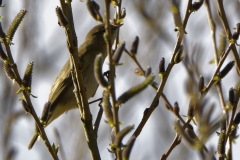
(148, 71)
(25, 106)
(176, 109)
(226, 69)
(118, 53)
(178, 57)
(62, 20)
(123, 13)
(27, 79)
(231, 96)
(196, 5)
(135, 45)
(8, 70)
(162, 67)
(93, 9)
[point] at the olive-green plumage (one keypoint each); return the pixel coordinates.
(61, 97)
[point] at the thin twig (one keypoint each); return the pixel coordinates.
(212, 81)
(61, 151)
(28, 100)
(229, 128)
(223, 17)
(175, 141)
(80, 92)
(213, 33)
(111, 73)
(166, 101)
(164, 80)
(98, 119)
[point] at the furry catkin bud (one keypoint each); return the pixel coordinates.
(62, 20)
(27, 79)
(134, 90)
(46, 111)
(8, 70)
(201, 83)
(107, 108)
(221, 144)
(226, 69)
(14, 25)
(135, 45)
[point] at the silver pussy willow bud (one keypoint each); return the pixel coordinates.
(123, 13)
(118, 53)
(93, 9)
(62, 20)
(221, 143)
(162, 65)
(231, 96)
(135, 45)
(226, 69)
(148, 71)
(8, 70)
(196, 5)
(176, 109)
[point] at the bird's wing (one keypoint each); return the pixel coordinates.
(62, 83)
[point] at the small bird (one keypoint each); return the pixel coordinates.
(61, 97)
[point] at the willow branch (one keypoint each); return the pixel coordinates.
(80, 92)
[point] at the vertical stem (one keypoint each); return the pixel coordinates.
(80, 92)
(112, 74)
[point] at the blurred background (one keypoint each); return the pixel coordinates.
(40, 39)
